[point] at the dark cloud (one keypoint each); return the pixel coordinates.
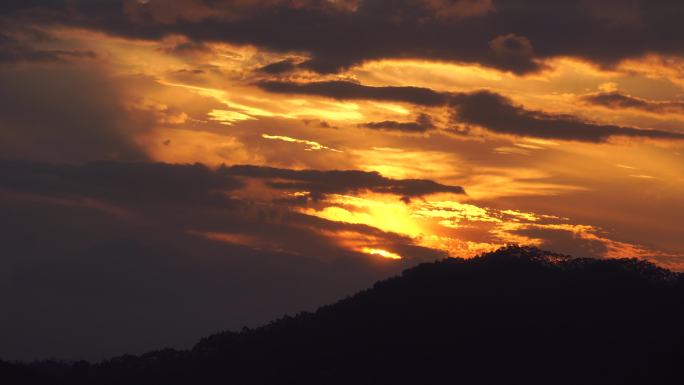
(513, 51)
(319, 182)
(279, 67)
(181, 198)
(498, 114)
(422, 124)
(66, 114)
(157, 183)
(117, 182)
(511, 35)
(617, 100)
(17, 45)
(348, 90)
(485, 109)
(183, 47)
(12, 51)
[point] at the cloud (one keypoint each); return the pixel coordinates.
(13, 51)
(279, 67)
(514, 52)
(181, 46)
(310, 144)
(348, 90)
(20, 44)
(194, 196)
(319, 183)
(337, 35)
(66, 114)
(422, 124)
(486, 109)
(120, 182)
(497, 113)
(160, 183)
(449, 10)
(617, 100)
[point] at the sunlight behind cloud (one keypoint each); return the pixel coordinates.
(310, 144)
(380, 252)
(203, 106)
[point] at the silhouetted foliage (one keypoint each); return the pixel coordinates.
(517, 315)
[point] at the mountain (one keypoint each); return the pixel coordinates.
(515, 316)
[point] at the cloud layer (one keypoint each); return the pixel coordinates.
(510, 35)
(485, 109)
(617, 100)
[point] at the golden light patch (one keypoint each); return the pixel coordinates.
(383, 213)
(423, 73)
(521, 215)
(420, 221)
(454, 211)
(493, 183)
(395, 108)
(310, 144)
(227, 117)
(394, 162)
(380, 252)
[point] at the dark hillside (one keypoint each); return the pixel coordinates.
(518, 315)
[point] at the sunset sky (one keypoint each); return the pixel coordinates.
(198, 165)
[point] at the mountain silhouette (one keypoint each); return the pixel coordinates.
(515, 316)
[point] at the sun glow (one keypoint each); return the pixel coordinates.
(381, 252)
(387, 214)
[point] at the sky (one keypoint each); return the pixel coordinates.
(170, 169)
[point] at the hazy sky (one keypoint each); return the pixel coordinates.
(170, 169)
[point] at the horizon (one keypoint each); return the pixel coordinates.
(170, 169)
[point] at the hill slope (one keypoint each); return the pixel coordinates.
(518, 315)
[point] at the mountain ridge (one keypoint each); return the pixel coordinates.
(531, 314)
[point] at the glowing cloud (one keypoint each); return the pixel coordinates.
(310, 144)
(380, 252)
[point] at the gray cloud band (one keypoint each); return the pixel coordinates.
(510, 35)
(486, 109)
